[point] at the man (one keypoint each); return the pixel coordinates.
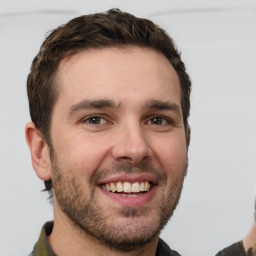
(247, 247)
(109, 103)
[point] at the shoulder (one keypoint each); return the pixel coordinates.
(235, 249)
(164, 250)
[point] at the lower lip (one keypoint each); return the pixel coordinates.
(139, 200)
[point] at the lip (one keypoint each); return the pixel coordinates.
(129, 178)
(137, 201)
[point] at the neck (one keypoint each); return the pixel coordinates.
(67, 239)
(250, 240)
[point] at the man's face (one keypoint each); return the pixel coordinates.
(119, 153)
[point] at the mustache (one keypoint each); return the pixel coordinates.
(128, 168)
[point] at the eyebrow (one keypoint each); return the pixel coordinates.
(91, 104)
(107, 103)
(162, 105)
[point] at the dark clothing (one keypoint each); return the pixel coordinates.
(236, 249)
(42, 246)
(164, 250)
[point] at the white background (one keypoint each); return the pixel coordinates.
(218, 44)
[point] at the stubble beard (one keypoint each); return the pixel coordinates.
(86, 216)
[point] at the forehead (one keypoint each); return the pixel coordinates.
(117, 73)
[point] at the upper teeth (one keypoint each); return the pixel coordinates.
(127, 187)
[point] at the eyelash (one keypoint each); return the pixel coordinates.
(90, 118)
(163, 120)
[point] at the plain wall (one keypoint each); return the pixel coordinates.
(218, 44)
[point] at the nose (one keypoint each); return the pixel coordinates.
(131, 144)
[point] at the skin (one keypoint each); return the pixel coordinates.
(141, 125)
(250, 240)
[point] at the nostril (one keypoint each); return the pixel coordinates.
(134, 161)
(126, 160)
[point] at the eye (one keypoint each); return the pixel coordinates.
(158, 120)
(95, 120)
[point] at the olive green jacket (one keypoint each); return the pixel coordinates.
(236, 249)
(42, 246)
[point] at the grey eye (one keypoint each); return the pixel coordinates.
(96, 120)
(158, 120)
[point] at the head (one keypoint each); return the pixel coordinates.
(108, 38)
(114, 28)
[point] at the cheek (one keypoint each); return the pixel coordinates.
(82, 155)
(172, 155)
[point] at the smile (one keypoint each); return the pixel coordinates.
(127, 188)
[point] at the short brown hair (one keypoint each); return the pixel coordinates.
(113, 28)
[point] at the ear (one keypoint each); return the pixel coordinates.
(39, 151)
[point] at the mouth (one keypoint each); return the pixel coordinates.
(128, 189)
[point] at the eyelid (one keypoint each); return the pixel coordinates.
(167, 119)
(85, 119)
